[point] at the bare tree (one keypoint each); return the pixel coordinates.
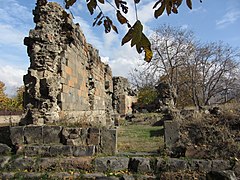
(201, 73)
(171, 47)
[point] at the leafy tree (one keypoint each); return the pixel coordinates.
(11, 104)
(135, 32)
(3, 96)
(200, 74)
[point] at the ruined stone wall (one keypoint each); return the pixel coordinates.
(123, 96)
(66, 78)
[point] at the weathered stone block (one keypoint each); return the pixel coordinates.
(51, 134)
(177, 164)
(200, 165)
(104, 164)
(171, 133)
(4, 149)
(108, 141)
(22, 163)
(83, 163)
(61, 150)
(140, 165)
(17, 134)
(83, 150)
(33, 135)
(45, 164)
(35, 151)
(219, 165)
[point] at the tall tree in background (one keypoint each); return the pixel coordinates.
(172, 46)
(11, 104)
(3, 96)
(199, 73)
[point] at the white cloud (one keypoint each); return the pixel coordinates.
(12, 12)
(229, 18)
(10, 36)
(12, 77)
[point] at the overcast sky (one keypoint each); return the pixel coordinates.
(212, 20)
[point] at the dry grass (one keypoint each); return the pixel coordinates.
(140, 138)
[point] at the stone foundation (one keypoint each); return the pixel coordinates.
(53, 141)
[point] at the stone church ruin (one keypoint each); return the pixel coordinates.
(66, 79)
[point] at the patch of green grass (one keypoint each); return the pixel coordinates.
(140, 138)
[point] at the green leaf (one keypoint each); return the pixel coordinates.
(160, 10)
(121, 18)
(69, 3)
(127, 37)
(137, 33)
(189, 3)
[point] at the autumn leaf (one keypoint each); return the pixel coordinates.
(121, 18)
(136, 1)
(189, 3)
(69, 3)
(101, 1)
(160, 10)
(127, 37)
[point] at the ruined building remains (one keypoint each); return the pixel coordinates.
(66, 79)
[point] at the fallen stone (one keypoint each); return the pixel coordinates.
(176, 164)
(103, 164)
(200, 165)
(33, 135)
(219, 165)
(140, 165)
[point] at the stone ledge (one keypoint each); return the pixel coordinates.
(36, 140)
(125, 167)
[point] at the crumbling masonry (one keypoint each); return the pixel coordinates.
(66, 79)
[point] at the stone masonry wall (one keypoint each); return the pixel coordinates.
(123, 96)
(66, 78)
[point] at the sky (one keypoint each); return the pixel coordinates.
(211, 21)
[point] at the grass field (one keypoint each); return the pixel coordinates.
(140, 138)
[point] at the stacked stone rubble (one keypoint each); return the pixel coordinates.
(66, 78)
(123, 96)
